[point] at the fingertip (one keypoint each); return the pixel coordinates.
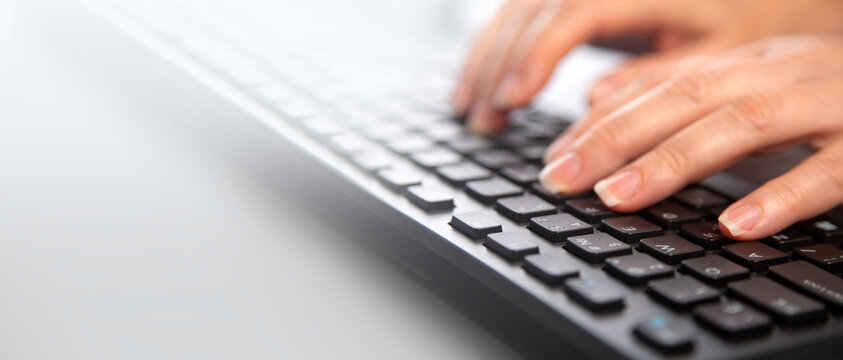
(558, 177)
(461, 99)
(509, 93)
(484, 120)
(739, 221)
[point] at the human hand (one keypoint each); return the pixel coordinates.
(679, 124)
(517, 52)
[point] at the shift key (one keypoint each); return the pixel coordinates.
(811, 280)
(785, 305)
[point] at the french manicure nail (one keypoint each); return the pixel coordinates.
(740, 219)
(556, 147)
(504, 97)
(619, 187)
(558, 176)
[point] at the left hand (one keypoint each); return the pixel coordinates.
(682, 123)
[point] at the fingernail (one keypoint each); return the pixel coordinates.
(740, 219)
(557, 146)
(558, 175)
(461, 100)
(505, 96)
(619, 187)
(602, 90)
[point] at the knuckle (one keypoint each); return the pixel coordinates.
(787, 194)
(690, 87)
(828, 166)
(674, 159)
(754, 114)
(606, 137)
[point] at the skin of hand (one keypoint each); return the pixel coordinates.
(701, 115)
(516, 54)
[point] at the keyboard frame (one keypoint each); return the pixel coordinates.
(536, 320)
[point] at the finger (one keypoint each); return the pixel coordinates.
(578, 21)
(720, 140)
(484, 118)
(636, 87)
(807, 50)
(813, 187)
(656, 63)
(599, 111)
(464, 92)
(649, 119)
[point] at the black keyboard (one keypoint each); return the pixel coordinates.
(660, 282)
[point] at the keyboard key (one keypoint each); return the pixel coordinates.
(490, 190)
(637, 269)
(666, 333)
(558, 227)
(826, 256)
(705, 234)
(754, 255)
(682, 293)
(784, 304)
(551, 269)
(531, 153)
(386, 133)
(555, 199)
(672, 215)
(789, 239)
(435, 157)
(522, 175)
(475, 224)
(824, 228)
(733, 319)
(670, 248)
(373, 160)
(595, 248)
(714, 213)
(523, 208)
(409, 144)
(349, 143)
(630, 228)
(430, 198)
(714, 270)
(590, 209)
(560, 123)
(813, 281)
(494, 158)
(399, 179)
(699, 198)
(596, 295)
(443, 132)
(515, 139)
(469, 144)
(511, 246)
(458, 174)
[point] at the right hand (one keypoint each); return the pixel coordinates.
(517, 52)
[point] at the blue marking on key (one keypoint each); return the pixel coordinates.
(657, 321)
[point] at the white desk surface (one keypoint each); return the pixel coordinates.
(124, 236)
